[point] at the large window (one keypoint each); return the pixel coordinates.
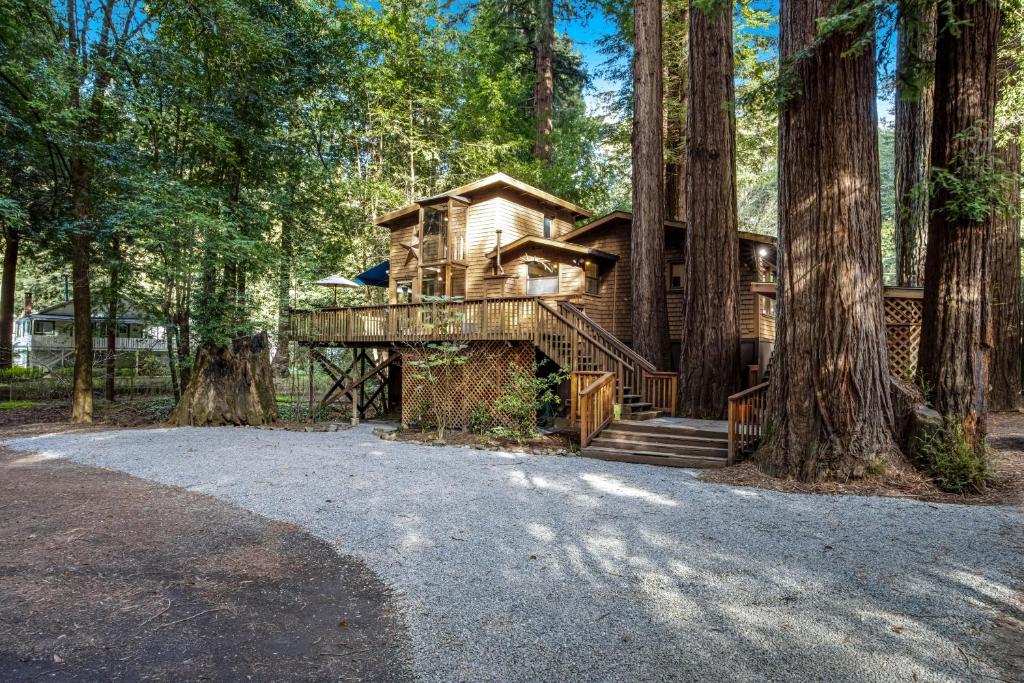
(46, 327)
(590, 274)
(435, 233)
(432, 282)
(542, 278)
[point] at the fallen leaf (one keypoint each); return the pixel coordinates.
(343, 623)
(532, 557)
(897, 629)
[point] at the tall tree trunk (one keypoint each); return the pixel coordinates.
(81, 395)
(676, 68)
(7, 282)
(110, 359)
(830, 413)
(544, 83)
(1005, 381)
(284, 281)
(650, 312)
(914, 87)
(956, 330)
(709, 366)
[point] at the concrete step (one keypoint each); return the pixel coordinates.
(711, 449)
(652, 458)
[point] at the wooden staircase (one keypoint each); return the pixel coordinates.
(671, 442)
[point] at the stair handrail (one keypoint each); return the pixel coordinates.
(609, 338)
(597, 407)
(746, 419)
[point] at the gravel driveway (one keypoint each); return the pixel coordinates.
(515, 567)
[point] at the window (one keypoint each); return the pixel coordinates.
(676, 273)
(590, 274)
(46, 327)
(435, 233)
(547, 227)
(403, 292)
(432, 282)
(542, 278)
(458, 283)
(767, 307)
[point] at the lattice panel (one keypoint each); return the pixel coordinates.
(485, 374)
(903, 330)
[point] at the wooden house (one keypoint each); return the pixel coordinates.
(520, 276)
(46, 339)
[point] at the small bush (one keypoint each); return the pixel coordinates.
(20, 374)
(7, 405)
(950, 456)
(480, 419)
(522, 398)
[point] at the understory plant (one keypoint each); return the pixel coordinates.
(524, 395)
(953, 459)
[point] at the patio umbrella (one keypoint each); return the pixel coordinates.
(336, 281)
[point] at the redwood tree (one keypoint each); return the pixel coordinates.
(12, 243)
(956, 333)
(709, 366)
(1005, 382)
(674, 51)
(914, 85)
(544, 85)
(829, 408)
(650, 314)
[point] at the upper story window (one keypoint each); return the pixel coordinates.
(432, 282)
(435, 233)
(547, 227)
(542, 278)
(590, 275)
(676, 275)
(47, 327)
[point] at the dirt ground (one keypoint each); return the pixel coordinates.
(1006, 437)
(107, 577)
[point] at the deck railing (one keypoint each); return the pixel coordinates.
(661, 389)
(595, 395)
(747, 411)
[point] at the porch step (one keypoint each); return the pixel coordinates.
(640, 415)
(665, 441)
(653, 458)
(637, 407)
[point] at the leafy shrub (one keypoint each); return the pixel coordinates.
(480, 419)
(7, 405)
(952, 458)
(522, 397)
(20, 374)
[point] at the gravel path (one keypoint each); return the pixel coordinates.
(515, 567)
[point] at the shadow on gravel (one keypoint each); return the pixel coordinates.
(107, 577)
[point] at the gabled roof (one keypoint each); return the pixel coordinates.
(627, 217)
(497, 180)
(66, 310)
(574, 249)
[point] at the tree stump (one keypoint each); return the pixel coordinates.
(229, 385)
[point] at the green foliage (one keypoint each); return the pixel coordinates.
(17, 374)
(973, 185)
(954, 459)
(435, 367)
(522, 397)
(9, 405)
(480, 419)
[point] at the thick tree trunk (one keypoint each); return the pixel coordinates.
(544, 85)
(229, 385)
(650, 312)
(1005, 383)
(81, 392)
(956, 330)
(830, 411)
(914, 56)
(110, 359)
(676, 68)
(7, 285)
(709, 367)
(284, 281)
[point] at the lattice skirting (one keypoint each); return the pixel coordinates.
(479, 382)
(903, 330)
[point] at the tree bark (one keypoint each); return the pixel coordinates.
(7, 285)
(914, 55)
(830, 411)
(650, 312)
(676, 68)
(544, 84)
(956, 330)
(709, 366)
(229, 385)
(284, 281)
(1005, 381)
(110, 359)
(81, 394)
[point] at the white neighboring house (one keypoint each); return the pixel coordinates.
(45, 339)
